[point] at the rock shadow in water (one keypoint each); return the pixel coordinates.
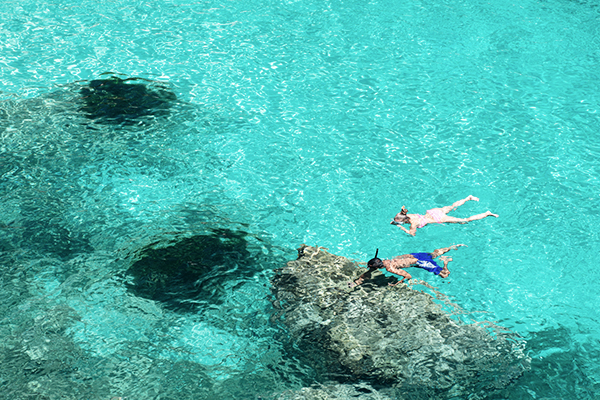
(40, 360)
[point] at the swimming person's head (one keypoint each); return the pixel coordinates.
(375, 263)
(401, 217)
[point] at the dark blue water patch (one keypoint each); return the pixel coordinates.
(117, 101)
(36, 353)
(187, 273)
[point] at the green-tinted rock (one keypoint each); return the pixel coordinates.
(394, 337)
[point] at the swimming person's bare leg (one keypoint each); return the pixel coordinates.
(459, 203)
(438, 252)
(482, 216)
(453, 220)
(445, 271)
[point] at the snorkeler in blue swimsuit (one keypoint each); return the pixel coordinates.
(425, 261)
(398, 264)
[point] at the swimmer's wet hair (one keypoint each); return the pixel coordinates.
(375, 263)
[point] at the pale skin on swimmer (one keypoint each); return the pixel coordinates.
(436, 215)
(397, 265)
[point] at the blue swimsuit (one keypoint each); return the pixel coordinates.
(426, 262)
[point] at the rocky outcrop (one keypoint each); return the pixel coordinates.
(392, 337)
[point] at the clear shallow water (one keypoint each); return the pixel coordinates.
(298, 122)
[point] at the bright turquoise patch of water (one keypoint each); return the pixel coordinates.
(298, 122)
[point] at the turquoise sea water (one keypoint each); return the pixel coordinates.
(297, 122)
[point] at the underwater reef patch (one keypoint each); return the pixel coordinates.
(40, 360)
(188, 272)
(40, 227)
(394, 338)
(114, 100)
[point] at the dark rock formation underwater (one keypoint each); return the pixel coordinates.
(398, 340)
(187, 272)
(114, 100)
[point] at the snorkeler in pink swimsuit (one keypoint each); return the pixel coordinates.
(435, 215)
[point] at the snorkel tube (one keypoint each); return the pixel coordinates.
(373, 264)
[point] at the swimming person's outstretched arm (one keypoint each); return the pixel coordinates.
(412, 231)
(402, 273)
(357, 281)
(396, 266)
(413, 226)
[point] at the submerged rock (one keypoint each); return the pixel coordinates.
(361, 391)
(118, 101)
(391, 337)
(186, 272)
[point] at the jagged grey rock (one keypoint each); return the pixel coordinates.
(392, 337)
